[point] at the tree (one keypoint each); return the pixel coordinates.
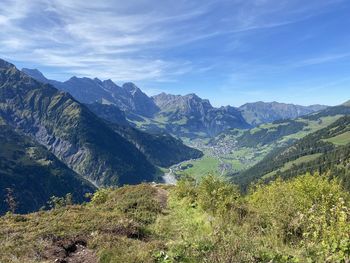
(11, 200)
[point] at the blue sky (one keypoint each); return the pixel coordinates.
(229, 51)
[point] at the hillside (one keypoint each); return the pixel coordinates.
(206, 221)
(160, 149)
(34, 174)
(70, 131)
(263, 112)
(323, 150)
(108, 112)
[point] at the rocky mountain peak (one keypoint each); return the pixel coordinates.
(36, 74)
(5, 65)
(131, 87)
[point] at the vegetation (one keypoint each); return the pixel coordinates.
(305, 219)
(323, 150)
(238, 150)
(30, 175)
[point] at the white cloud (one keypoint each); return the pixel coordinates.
(131, 40)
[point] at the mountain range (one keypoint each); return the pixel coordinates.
(77, 148)
(183, 116)
(74, 136)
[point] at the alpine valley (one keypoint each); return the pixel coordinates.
(91, 171)
(147, 131)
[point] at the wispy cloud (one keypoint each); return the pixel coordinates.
(134, 39)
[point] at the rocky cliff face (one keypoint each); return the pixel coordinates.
(197, 115)
(34, 174)
(69, 130)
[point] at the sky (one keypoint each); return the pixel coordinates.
(228, 51)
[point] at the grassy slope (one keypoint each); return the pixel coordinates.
(205, 222)
(201, 167)
(341, 139)
(322, 148)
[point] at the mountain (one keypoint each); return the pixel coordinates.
(128, 98)
(36, 74)
(347, 103)
(189, 114)
(322, 150)
(70, 131)
(34, 174)
(108, 112)
(183, 116)
(160, 149)
(180, 115)
(139, 101)
(263, 112)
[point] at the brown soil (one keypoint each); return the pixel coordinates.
(72, 250)
(162, 197)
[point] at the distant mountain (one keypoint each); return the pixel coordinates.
(139, 101)
(188, 105)
(128, 98)
(34, 174)
(346, 103)
(70, 131)
(36, 74)
(183, 116)
(190, 114)
(180, 115)
(264, 112)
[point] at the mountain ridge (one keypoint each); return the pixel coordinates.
(181, 115)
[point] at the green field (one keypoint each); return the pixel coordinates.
(201, 167)
(289, 165)
(341, 139)
(312, 126)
